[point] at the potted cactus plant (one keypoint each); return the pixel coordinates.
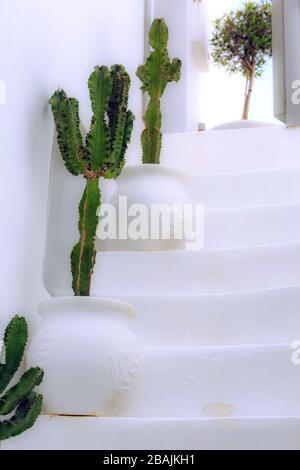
(85, 344)
(155, 75)
(152, 183)
(20, 403)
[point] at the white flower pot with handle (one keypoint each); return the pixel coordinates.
(148, 185)
(88, 352)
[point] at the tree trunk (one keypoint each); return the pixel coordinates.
(248, 94)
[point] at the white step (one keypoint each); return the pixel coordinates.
(246, 227)
(231, 229)
(214, 382)
(232, 151)
(252, 226)
(235, 270)
(55, 433)
(217, 319)
(254, 188)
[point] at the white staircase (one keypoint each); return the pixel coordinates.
(215, 326)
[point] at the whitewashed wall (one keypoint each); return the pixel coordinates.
(286, 60)
(45, 44)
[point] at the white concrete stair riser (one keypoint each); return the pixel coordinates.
(217, 319)
(238, 227)
(58, 433)
(215, 271)
(252, 226)
(214, 382)
(232, 151)
(247, 189)
(241, 227)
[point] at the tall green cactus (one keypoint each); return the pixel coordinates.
(155, 75)
(102, 155)
(20, 399)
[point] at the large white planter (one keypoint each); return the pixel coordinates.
(149, 185)
(242, 124)
(88, 352)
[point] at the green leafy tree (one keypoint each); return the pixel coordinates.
(155, 76)
(102, 155)
(242, 42)
(19, 402)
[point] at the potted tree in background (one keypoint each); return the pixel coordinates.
(85, 344)
(152, 183)
(242, 43)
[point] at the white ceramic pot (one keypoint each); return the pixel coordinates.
(243, 124)
(149, 185)
(88, 352)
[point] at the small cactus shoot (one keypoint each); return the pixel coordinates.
(102, 155)
(155, 75)
(20, 401)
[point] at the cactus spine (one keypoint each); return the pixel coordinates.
(21, 398)
(102, 155)
(155, 75)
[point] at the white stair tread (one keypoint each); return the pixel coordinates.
(214, 382)
(259, 433)
(232, 151)
(217, 319)
(189, 272)
(264, 187)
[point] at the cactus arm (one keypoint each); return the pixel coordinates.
(175, 70)
(66, 117)
(128, 128)
(158, 35)
(24, 418)
(118, 100)
(155, 75)
(114, 170)
(100, 86)
(84, 253)
(118, 118)
(15, 339)
(143, 74)
(17, 394)
(129, 122)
